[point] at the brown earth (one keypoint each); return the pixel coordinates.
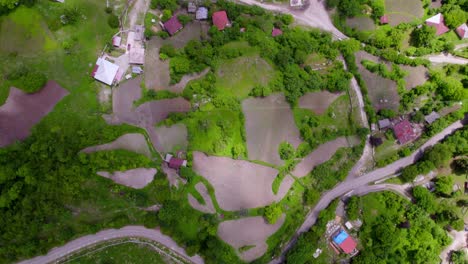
(239, 184)
(268, 122)
(136, 178)
(132, 142)
(22, 111)
(250, 231)
(318, 102)
(416, 76)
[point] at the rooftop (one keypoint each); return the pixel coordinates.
(220, 19)
(202, 13)
(404, 132)
(384, 123)
(430, 118)
(438, 23)
(384, 19)
(462, 31)
(137, 56)
(105, 71)
(172, 25)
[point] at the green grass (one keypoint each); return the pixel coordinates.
(236, 77)
(361, 23)
(123, 252)
(386, 150)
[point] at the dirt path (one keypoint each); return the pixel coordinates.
(441, 58)
(460, 240)
(110, 234)
(180, 86)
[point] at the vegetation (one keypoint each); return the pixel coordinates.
(286, 151)
(273, 212)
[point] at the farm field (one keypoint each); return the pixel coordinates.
(382, 92)
(268, 122)
(172, 138)
(207, 206)
(136, 178)
(416, 76)
(403, 11)
(318, 102)
(239, 184)
(134, 142)
(22, 111)
(362, 23)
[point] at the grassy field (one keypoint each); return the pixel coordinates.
(123, 252)
(403, 11)
(361, 23)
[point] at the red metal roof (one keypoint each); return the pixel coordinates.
(276, 32)
(404, 131)
(176, 163)
(220, 19)
(93, 72)
(172, 25)
(462, 31)
(384, 19)
(440, 27)
(348, 245)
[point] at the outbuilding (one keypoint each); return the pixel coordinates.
(202, 13)
(172, 25)
(430, 118)
(105, 71)
(344, 241)
(384, 123)
(404, 132)
(220, 20)
(462, 31)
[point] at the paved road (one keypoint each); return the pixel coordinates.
(441, 58)
(315, 15)
(460, 239)
(355, 183)
(109, 234)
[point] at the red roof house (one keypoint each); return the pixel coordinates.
(276, 32)
(404, 132)
(462, 31)
(220, 20)
(175, 163)
(384, 19)
(438, 23)
(349, 245)
(172, 25)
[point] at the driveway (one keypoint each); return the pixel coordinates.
(110, 234)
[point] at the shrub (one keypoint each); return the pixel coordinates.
(168, 49)
(166, 15)
(184, 19)
(108, 10)
(273, 212)
(113, 21)
(286, 151)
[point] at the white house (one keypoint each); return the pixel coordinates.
(105, 71)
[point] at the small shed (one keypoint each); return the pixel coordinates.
(384, 123)
(462, 31)
(137, 70)
(191, 8)
(116, 41)
(384, 19)
(276, 32)
(349, 225)
(430, 118)
(220, 20)
(172, 25)
(404, 132)
(202, 13)
(175, 163)
(139, 32)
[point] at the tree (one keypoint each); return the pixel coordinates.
(423, 36)
(439, 155)
(10, 4)
(168, 49)
(454, 17)
(387, 113)
(418, 117)
(166, 15)
(184, 19)
(113, 21)
(444, 185)
(352, 208)
(286, 151)
(349, 8)
(424, 199)
(165, 4)
(458, 257)
(461, 164)
(273, 212)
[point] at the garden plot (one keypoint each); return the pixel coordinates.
(361, 23)
(156, 111)
(208, 207)
(318, 102)
(416, 76)
(238, 76)
(268, 122)
(382, 92)
(134, 142)
(124, 96)
(248, 235)
(172, 138)
(239, 184)
(22, 111)
(403, 11)
(136, 178)
(320, 155)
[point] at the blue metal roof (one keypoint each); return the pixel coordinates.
(342, 236)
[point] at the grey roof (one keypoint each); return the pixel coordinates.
(202, 13)
(384, 123)
(139, 31)
(191, 7)
(137, 69)
(430, 118)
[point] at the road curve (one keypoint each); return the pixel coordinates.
(441, 58)
(354, 183)
(109, 234)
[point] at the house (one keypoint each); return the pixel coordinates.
(462, 31)
(438, 23)
(344, 241)
(430, 118)
(191, 8)
(384, 19)
(172, 25)
(349, 225)
(220, 20)
(202, 13)
(136, 56)
(139, 32)
(384, 123)
(105, 71)
(276, 32)
(404, 132)
(376, 141)
(137, 70)
(116, 41)
(175, 163)
(296, 3)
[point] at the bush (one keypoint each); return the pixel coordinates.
(286, 151)
(184, 19)
(166, 15)
(444, 185)
(108, 10)
(113, 21)
(28, 81)
(168, 49)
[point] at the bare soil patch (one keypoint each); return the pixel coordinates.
(172, 138)
(361, 23)
(417, 76)
(251, 231)
(382, 92)
(22, 111)
(136, 178)
(124, 96)
(134, 142)
(239, 184)
(268, 122)
(154, 112)
(318, 102)
(403, 11)
(208, 207)
(320, 155)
